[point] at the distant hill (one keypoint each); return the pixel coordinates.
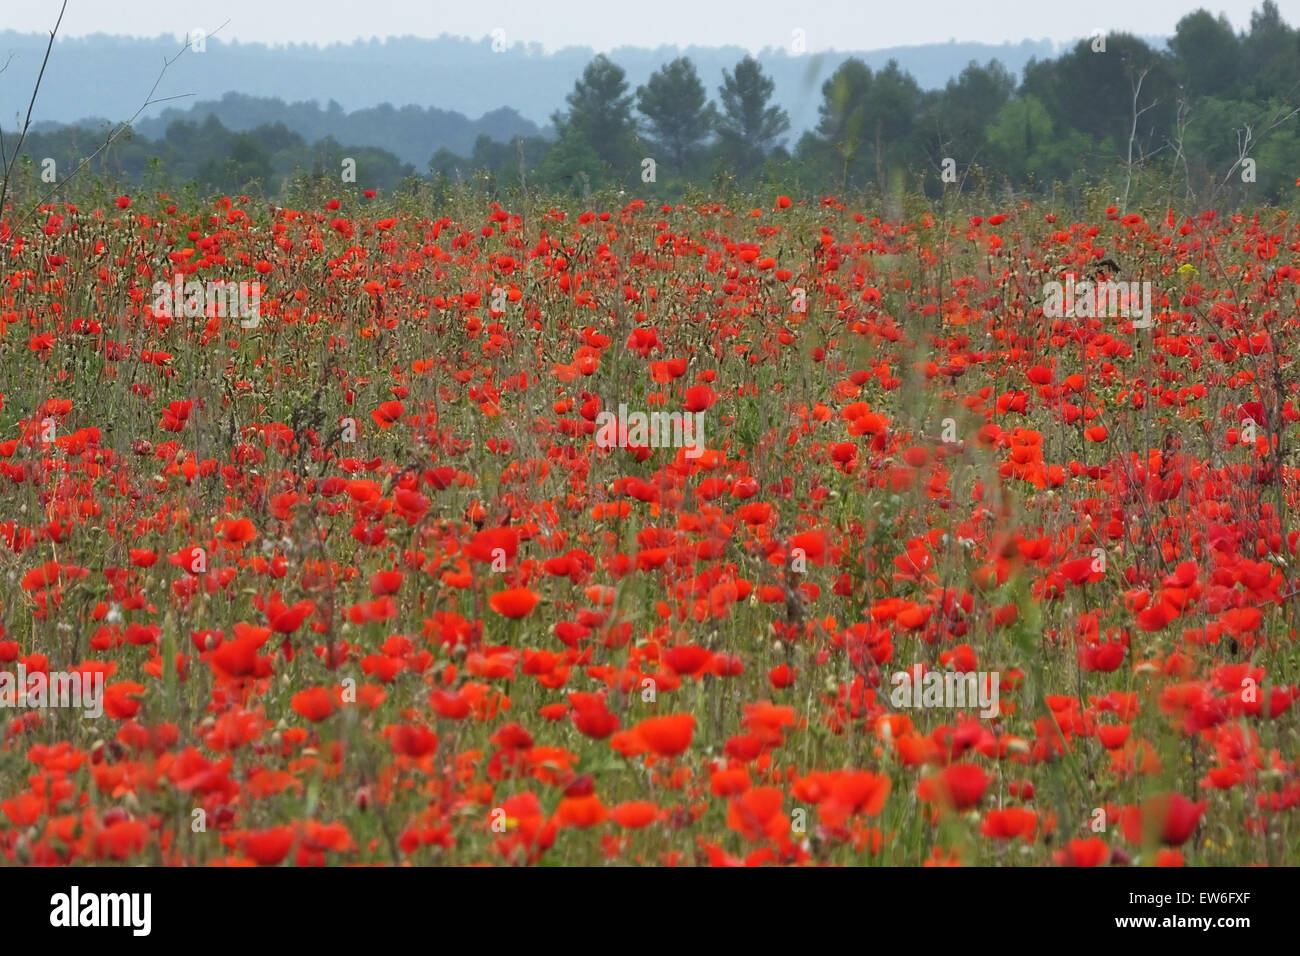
(452, 79)
(383, 114)
(413, 133)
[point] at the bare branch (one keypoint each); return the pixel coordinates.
(150, 100)
(1243, 146)
(1137, 92)
(9, 163)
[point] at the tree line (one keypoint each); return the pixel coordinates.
(1214, 115)
(1216, 109)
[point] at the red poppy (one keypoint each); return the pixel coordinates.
(1009, 823)
(387, 413)
(666, 736)
(959, 786)
(284, 619)
(851, 792)
(514, 603)
(634, 814)
(268, 847)
(314, 703)
(1080, 852)
(758, 814)
(700, 398)
(411, 740)
(1170, 818)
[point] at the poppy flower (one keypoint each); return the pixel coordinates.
(758, 814)
(514, 603)
(959, 786)
(268, 847)
(386, 413)
(1104, 657)
(314, 703)
(122, 700)
(700, 398)
(634, 814)
(1009, 823)
(452, 706)
(666, 736)
(810, 545)
(688, 659)
(494, 545)
(852, 792)
(236, 531)
(1092, 851)
(1170, 818)
(581, 811)
(176, 414)
(385, 582)
(1113, 737)
(238, 657)
(592, 717)
(284, 619)
(411, 740)
(782, 676)
(121, 839)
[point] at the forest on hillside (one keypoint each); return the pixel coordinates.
(1213, 114)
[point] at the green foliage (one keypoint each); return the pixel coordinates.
(600, 117)
(572, 165)
(678, 115)
(1024, 145)
(957, 118)
(748, 128)
(1183, 120)
(1207, 54)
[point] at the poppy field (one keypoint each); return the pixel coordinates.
(361, 585)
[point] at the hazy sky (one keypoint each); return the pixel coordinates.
(602, 24)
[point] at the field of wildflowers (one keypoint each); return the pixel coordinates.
(360, 584)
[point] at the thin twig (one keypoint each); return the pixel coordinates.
(149, 101)
(9, 163)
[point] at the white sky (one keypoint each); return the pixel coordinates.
(604, 24)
